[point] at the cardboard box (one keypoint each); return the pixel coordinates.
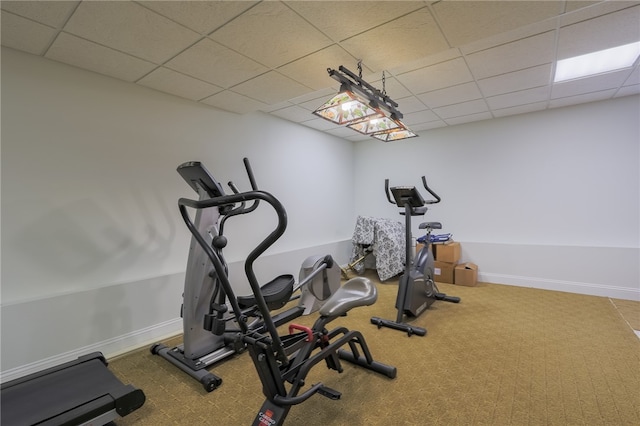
(443, 272)
(466, 274)
(448, 252)
(419, 247)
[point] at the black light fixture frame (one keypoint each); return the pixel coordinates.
(377, 99)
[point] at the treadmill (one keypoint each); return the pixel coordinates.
(80, 392)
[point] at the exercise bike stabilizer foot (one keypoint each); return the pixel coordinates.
(445, 298)
(402, 326)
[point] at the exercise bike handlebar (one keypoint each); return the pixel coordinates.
(430, 191)
(386, 191)
(436, 197)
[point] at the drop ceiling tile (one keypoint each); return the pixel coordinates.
(94, 57)
(611, 80)
(342, 132)
(419, 117)
(271, 34)
(518, 55)
(517, 80)
(23, 34)
(313, 100)
(200, 16)
(634, 77)
(319, 124)
(628, 91)
(175, 83)
(465, 108)
(51, 13)
(212, 62)
(510, 36)
(314, 104)
(507, 52)
(341, 20)
(271, 87)
(410, 104)
(582, 98)
(572, 6)
(312, 70)
(130, 28)
(522, 97)
(395, 90)
(584, 12)
(437, 76)
(433, 59)
(451, 95)
(469, 118)
(293, 113)
(599, 33)
(427, 126)
(407, 38)
(233, 102)
(274, 107)
(466, 21)
(520, 109)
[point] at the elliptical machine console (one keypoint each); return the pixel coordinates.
(416, 290)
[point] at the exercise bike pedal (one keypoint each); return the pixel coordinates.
(329, 393)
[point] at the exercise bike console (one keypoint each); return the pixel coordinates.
(407, 194)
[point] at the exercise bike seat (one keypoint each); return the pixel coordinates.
(358, 291)
(430, 225)
(276, 293)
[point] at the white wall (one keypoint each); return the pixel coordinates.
(93, 246)
(94, 251)
(549, 199)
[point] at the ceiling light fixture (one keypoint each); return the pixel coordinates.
(363, 108)
(599, 62)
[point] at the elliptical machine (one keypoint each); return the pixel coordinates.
(416, 289)
(210, 334)
(284, 361)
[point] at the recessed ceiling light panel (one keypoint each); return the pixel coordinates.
(599, 62)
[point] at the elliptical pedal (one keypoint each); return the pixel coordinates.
(329, 392)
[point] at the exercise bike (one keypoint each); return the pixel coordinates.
(283, 362)
(416, 289)
(210, 334)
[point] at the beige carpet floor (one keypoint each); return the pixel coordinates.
(505, 355)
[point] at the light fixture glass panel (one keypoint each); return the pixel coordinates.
(597, 62)
(379, 123)
(344, 108)
(395, 135)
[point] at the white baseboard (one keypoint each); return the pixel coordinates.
(109, 348)
(615, 292)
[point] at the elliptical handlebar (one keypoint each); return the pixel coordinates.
(242, 197)
(254, 186)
